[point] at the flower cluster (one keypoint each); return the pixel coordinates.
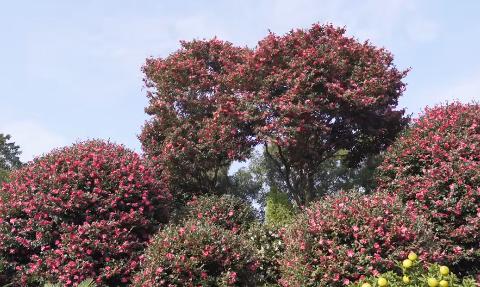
(84, 211)
(342, 238)
(435, 165)
(267, 240)
(226, 211)
(198, 254)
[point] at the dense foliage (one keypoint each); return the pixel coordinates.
(278, 210)
(9, 156)
(315, 92)
(269, 246)
(198, 254)
(413, 273)
(197, 127)
(341, 238)
(304, 96)
(84, 211)
(225, 211)
(436, 166)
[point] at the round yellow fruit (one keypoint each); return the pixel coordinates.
(407, 263)
(366, 285)
(406, 279)
(444, 270)
(443, 283)
(412, 256)
(432, 282)
(382, 282)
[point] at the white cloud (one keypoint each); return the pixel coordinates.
(33, 138)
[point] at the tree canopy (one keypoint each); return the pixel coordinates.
(306, 97)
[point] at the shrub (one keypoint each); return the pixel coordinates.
(412, 273)
(267, 240)
(198, 254)
(85, 211)
(341, 238)
(227, 211)
(436, 165)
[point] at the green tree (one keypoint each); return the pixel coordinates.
(9, 156)
(334, 175)
(279, 210)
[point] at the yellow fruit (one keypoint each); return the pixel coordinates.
(444, 270)
(443, 283)
(432, 282)
(382, 282)
(407, 263)
(366, 285)
(412, 256)
(406, 279)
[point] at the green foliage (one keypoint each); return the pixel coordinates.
(334, 175)
(417, 276)
(279, 210)
(85, 283)
(9, 156)
(243, 184)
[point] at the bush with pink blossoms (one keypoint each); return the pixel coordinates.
(198, 254)
(342, 238)
(227, 211)
(436, 166)
(84, 211)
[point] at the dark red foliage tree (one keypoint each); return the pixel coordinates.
(85, 211)
(197, 126)
(436, 165)
(305, 96)
(316, 92)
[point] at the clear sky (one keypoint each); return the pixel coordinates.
(70, 70)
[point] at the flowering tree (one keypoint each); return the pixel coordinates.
(317, 92)
(436, 165)
(84, 211)
(305, 96)
(197, 126)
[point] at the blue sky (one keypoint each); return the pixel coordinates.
(70, 70)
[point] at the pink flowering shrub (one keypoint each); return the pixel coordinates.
(84, 211)
(267, 240)
(227, 211)
(198, 254)
(343, 238)
(436, 166)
